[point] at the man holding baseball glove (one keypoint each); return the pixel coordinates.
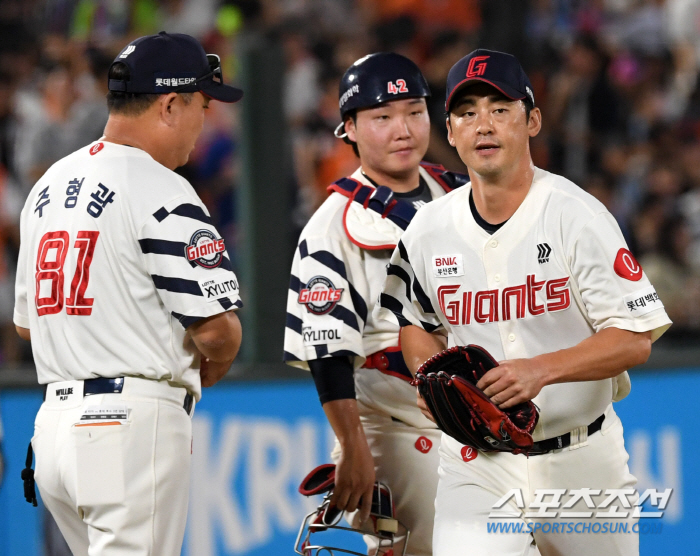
(524, 268)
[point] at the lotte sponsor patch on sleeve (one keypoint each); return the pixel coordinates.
(220, 286)
(643, 301)
(320, 334)
(626, 266)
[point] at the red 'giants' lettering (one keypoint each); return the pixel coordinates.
(513, 301)
(207, 248)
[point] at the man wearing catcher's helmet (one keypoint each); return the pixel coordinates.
(531, 268)
(338, 271)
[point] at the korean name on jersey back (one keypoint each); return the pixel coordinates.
(205, 249)
(320, 295)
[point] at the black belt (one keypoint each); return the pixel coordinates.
(93, 386)
(563, 441)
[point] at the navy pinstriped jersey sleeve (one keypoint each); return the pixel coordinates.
(326, 308)
(404, 297)
(188, 262)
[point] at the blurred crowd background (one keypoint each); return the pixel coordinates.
(617, 81)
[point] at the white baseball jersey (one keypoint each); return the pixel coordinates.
(334, 287)
(554, 274)
(118, 257)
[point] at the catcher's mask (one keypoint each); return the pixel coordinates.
(382, 525)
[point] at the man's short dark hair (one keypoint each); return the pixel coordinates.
(131, 104)
(353, 115)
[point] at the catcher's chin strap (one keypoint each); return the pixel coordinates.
(28, 478)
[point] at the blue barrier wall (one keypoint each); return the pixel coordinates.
(254, 443)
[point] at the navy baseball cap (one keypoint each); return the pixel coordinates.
(172, 63)
(498, 69)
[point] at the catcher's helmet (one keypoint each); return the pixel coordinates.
(381, 527)
(378, 78)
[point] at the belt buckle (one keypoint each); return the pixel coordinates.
(560, 442)
(103, 385)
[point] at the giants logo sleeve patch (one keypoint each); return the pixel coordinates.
(205, 249)
(220, 286)
(627, 267)
(320, 295)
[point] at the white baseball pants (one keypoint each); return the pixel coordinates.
(469, 488)
(122, 488)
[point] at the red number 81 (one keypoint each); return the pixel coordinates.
(77, 303)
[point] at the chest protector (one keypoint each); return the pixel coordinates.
(374, 218)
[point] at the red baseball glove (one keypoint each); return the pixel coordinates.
(447, 383)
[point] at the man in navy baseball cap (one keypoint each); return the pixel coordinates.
(498, 69)
(157, 243)
(171, 63)
(490, 113)
(160, 87)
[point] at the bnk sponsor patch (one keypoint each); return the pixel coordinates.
(318, 334)
(220, 286)
(446, 266)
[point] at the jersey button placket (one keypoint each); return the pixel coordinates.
(496, 273)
